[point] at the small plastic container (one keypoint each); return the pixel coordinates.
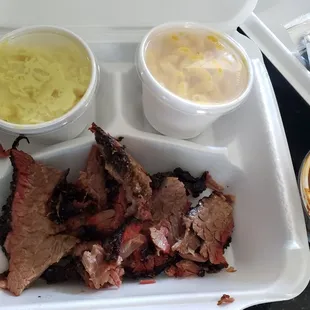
(171, 114)
(71, 124)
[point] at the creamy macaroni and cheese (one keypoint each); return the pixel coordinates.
(195, 66)
(40, 83)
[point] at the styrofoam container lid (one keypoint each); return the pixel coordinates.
(225, 15)
(267, 27)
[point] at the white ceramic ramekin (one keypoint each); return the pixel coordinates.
(172, 115)
(71, 124)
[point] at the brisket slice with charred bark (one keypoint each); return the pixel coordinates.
(162, 237)
(100, 262)
(123, 225)
(94, 267)
(69, 201)
(126, 240)
(188, 247)
(126, 171)
(194, 186)
(92, 179)
(133, 244)
(209, 228)
(103, 223)
(145, 262)
(87, 197)
(33, 242)
(105, 226)
(169, 205)
(6, 214)
(185, 268)
(132, 239)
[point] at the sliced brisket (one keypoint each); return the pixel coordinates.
(162, 237)
(109, 254)
(125, 170)
(96, 270)
(6, 214)
(126, 240)
(145, 263)
(34, 242)
(134, 244)
(87, 197)
(80, 248)
(92, 180)
(185, 268)
(194, 186)
(68, 201)
(108, 226)
(114, 220)
(169, 205)
(212, 222)
(188, 246)
(104, 222)
(213, 268)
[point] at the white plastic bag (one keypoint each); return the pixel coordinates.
(299, 30)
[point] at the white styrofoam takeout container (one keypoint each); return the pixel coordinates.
(71, 124)
(267, 27)
(245, 150)
(172, 115)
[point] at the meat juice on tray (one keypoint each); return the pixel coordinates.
(114, 222)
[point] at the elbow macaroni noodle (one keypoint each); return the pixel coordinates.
(197, 67)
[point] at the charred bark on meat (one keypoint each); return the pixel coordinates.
(194, 186)
(112, 187)
(63, 271)
(128, 172)
(113, 244)
(68, 201)
(6, 216)
(15, 144)
(158, 179)
(115, 153)
(132, 274)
